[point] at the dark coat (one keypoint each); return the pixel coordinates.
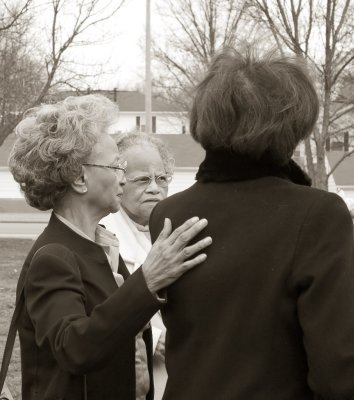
(270, 313)
(77, 330)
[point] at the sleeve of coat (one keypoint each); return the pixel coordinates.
(323, 279)
(55, 301)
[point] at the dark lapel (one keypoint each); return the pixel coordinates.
(92, 253)
(122, 268)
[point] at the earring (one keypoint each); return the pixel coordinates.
(84, 190)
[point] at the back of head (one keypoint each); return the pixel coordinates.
(260, 107)
(53, 140)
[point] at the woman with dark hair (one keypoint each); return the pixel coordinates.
(270, 314)
(85, 318)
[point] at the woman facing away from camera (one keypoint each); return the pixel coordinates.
(270, 313)
(85, 316)
(150, 167)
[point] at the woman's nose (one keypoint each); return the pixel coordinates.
(153, 187)
(122, 181)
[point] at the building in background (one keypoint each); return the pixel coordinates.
(341, 181)
(343, 176)
(167, 118)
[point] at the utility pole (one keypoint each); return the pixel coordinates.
(148, 116)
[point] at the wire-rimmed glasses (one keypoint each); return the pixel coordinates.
(162, 180)
(119, 167)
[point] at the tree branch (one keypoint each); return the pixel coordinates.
(14, 15)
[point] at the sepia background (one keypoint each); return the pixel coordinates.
(50, 49)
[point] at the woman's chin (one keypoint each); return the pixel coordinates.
(114, 207)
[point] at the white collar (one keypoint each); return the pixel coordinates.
(103, 236)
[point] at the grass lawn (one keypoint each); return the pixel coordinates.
(13, 253)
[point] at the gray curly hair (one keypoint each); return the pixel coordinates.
(53, 140)
(126, 141)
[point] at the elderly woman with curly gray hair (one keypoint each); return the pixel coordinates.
(85, 316)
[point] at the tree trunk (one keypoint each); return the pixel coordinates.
(8, 128)
(321, 180)
(309, 158)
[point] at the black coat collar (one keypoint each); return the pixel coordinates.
(58, 232)
(224, 165)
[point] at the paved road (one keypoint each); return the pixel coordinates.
(23, 230)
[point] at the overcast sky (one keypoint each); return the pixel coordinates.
(125, 51)
(121, 52)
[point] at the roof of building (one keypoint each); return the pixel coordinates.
(186, 151)
(135, 101)
(128, 101)
(344, 173)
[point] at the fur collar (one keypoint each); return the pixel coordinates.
(223, 165)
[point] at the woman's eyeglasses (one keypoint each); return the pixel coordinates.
(162, 180)
(119, 167)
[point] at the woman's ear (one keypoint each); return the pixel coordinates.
(79, 185)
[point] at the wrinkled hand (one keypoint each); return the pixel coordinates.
(170, 256)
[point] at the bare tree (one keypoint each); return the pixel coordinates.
(322, 33)
(57, 69)
(195, 29)
(10, 16)
(20, 74)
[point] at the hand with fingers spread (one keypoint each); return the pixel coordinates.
(170, 256)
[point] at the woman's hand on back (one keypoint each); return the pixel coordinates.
(170, 256)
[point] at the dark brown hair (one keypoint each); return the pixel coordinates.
(254, 106)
